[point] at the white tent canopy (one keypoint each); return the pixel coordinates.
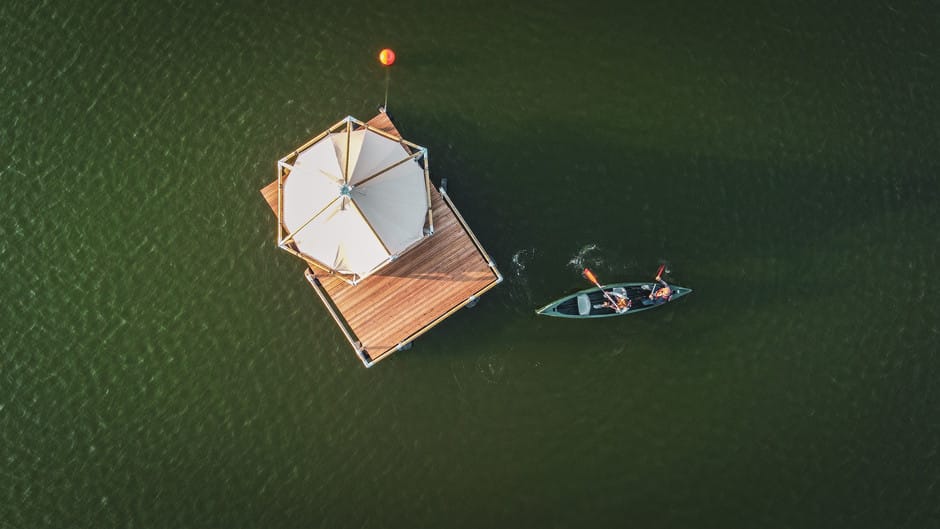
(354, 199)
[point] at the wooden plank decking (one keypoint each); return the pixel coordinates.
(406, 298)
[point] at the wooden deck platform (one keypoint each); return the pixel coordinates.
(389, 309)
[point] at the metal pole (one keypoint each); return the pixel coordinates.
(388, 75)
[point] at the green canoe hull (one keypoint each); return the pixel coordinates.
(588, 303)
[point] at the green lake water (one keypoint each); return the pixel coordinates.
(162, 364)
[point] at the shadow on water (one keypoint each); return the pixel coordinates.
(551, 190)
(752, 236)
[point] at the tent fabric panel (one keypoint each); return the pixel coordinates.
(376, 154)
(353, 141)
(342, 240)
(307, 189)
(396, 204)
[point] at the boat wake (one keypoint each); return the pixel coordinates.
(519, 260)
(588, 255)
(520, 292)
(592, 256)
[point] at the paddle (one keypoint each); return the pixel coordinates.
(589, 275)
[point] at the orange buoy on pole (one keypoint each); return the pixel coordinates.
(387, 57)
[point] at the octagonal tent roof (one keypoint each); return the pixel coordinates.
(353, 199)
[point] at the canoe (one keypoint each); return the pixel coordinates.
(589, 303)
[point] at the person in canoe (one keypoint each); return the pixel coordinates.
(616, 299)
(661, 294)
(617, 302)
(664, 292)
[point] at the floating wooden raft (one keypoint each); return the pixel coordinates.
(386, 311)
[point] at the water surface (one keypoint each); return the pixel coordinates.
(164, 365)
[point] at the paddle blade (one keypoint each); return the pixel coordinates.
(589, 275)
(659, 273)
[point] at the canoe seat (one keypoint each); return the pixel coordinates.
(584, 304)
